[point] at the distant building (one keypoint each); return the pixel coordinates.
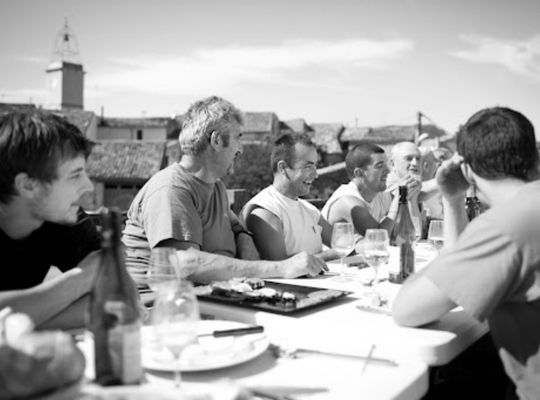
(65, 74)
(119, 169)
(298, 125)
(327, 137)
(133, 128)
(260, 127)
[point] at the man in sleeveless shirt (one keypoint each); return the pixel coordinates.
(282, 223)
(363, 201)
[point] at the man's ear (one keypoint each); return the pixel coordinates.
(358, 172)
(281, 166)
(467, 173)
(24, 185)
(216, 140)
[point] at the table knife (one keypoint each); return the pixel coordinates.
(234, 332)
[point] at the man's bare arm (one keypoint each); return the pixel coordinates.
(419, 302)
(200, 266)
(267, 233)
(50, 298)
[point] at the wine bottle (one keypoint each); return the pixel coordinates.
(114, 313)
(403, 236)
(473, 207)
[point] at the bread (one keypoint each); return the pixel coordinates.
(39, 362)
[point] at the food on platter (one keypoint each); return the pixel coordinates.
(252, 289)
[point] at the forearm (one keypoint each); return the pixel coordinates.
(214, 267)
(51, 297)
(72, 317)
(455, 219)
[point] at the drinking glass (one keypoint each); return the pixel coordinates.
(342, 242)
(417, 223)
(174, 319)
(436, 234)
(376, 252)
(162, 267)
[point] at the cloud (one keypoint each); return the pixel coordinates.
(305, 63)
(519, 57)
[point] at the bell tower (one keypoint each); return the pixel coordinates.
(65, 74)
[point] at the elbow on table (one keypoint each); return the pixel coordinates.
(403, 316)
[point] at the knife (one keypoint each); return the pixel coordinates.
(234, 332)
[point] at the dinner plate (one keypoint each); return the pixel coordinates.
(207, 353)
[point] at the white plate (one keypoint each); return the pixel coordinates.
(209, 353)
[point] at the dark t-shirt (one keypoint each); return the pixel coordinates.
(25, 263)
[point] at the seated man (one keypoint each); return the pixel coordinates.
(431, 161)
(42, 178)
(283, 224)
(363, 201)
(491, 266)
(185, 206)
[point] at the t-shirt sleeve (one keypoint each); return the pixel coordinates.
(76, 242)
(170, 213)
(480, 271)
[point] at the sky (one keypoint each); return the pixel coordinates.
(360, 63)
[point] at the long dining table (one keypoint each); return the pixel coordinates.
(353, 348)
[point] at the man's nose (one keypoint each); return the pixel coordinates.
(87, 185)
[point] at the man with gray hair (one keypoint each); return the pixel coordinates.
(185, 206)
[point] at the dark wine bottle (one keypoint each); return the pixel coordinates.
(473, 207)
(114, 312)
(403, 236)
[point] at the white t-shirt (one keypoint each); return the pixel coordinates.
(378, 207)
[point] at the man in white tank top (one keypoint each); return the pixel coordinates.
(282, 224)
(363, 201)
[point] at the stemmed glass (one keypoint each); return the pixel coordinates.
(417, 223)
(436, 234)
(342, 242)
(175, 318)
(162, 267)
(376, 253)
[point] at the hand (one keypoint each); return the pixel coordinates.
(450, 179)
(302, 264)
(413, 184)
(245, 247)
(526, 379)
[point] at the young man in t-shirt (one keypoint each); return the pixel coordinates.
(491, 266)
(42, 178)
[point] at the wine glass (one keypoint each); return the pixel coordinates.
(342, 242)
(376, 253)
(162, 267)
(175, 317)
(417, 223)
(436, 234)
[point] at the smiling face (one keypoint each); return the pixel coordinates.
(59, 201)
(303, 170)
(375, 173)
(406, 159)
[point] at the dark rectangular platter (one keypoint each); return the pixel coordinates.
(306, 298)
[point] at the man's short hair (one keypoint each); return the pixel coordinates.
(499, 143)
(204, 117)
(35, 142)
(360, 157)
(284, 148)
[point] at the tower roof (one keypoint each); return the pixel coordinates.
(66, 47)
